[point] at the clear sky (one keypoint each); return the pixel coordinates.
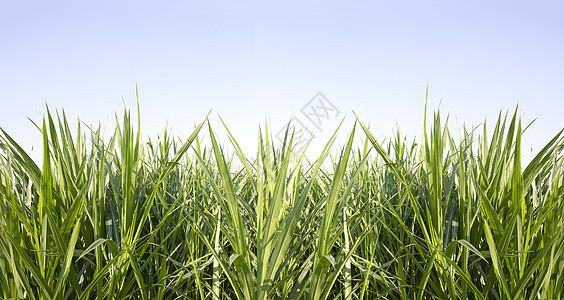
(265, 60)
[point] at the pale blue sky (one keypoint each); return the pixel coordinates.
(251, 61)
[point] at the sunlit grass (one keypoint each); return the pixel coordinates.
(442, 218)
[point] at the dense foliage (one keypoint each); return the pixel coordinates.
(443, 218)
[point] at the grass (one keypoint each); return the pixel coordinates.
(121, 218)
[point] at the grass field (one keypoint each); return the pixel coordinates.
(124, 218)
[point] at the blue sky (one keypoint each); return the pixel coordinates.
(256, 61)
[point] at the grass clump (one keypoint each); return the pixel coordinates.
(124, 219)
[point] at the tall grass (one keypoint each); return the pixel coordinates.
(443, 218)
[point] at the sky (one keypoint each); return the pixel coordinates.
(313, 62)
